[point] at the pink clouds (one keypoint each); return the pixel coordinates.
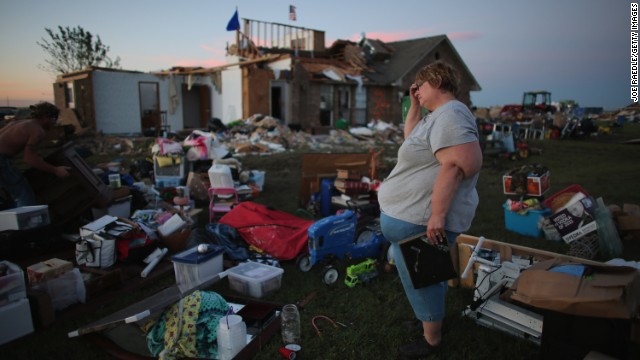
(413, 34)
(199, 63)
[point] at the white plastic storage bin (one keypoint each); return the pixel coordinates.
(24, 217)
(255, 279)
(193, 268)
(15, 320)
(12, 285)
(220, 176)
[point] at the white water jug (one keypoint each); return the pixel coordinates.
(232, 336)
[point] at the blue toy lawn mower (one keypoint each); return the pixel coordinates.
(348, 235)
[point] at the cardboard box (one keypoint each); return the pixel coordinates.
(536, 185)
(42, 310)
(177, 241)
(97, 281)
(604, 291)
(24, 217)
(628, 221)
(15, 320)
(567, 336)
(198, 185)
(48, 269)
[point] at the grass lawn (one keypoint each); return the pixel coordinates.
(603, 166)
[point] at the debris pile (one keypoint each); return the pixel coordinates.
(258, 134)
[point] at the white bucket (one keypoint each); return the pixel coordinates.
(232, 336)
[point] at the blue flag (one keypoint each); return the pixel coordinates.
(234, 23)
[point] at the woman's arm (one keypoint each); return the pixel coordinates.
(457, 163)
(415, 112)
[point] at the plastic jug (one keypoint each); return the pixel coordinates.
(231, 336)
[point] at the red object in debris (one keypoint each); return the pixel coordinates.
(278, 233)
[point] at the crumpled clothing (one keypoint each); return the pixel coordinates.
(188, 328)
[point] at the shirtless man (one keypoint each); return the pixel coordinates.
(24, 135)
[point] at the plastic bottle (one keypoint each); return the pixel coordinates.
(290, 324)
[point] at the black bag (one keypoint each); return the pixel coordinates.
(427, 264)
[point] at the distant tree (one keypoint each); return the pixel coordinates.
(73, 49)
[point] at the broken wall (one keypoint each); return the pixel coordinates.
(256, 86)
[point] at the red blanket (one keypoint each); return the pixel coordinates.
(278, 233)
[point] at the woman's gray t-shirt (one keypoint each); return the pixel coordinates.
(406, 193)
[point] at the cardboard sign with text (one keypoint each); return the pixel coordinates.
(576, 220)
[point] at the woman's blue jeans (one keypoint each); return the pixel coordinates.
(428, 303)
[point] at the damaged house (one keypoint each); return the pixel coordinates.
(273, 69)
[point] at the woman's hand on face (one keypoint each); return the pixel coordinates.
(413, 90)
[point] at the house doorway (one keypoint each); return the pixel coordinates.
(196, 106)
(326, 105)
(150, 121)
(278, 101)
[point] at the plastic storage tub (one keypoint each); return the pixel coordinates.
(12, 285)
(572, 189)
(255, 279)
(193, 268)
(25, 217)
(529, 224)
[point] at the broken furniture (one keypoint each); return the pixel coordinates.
(67, 198)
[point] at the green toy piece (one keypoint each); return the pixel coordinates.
(362, 272)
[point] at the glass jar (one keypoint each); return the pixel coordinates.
(290, 324)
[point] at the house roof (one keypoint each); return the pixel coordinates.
(406, 55)
(328, 69)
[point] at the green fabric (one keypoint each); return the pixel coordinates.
(188, 328)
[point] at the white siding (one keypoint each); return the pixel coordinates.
(231, 102)
(117, 103)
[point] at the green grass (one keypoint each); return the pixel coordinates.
(374, 311)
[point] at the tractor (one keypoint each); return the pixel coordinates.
(533, 102)
(346, 235)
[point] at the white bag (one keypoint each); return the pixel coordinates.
(96, 251)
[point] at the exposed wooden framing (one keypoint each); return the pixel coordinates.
(270, 36)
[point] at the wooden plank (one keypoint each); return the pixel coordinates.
(464, 253)
(506, 252)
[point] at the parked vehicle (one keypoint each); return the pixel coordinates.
(7, 112)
